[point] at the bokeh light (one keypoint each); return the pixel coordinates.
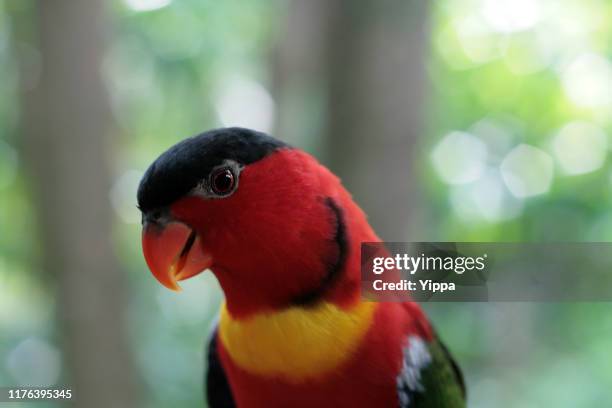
(587, 81)
(34, 362)
(246, 103)
(459, 158)
(123, 196)
(485, 199)
(527, 171)
(580, 147)
(508, 16)
(147, 5)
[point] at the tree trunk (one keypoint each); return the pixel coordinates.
(369, 57)
(300, 68)
(67, 128)
(376, 96)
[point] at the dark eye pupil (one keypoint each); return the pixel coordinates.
(223, 181)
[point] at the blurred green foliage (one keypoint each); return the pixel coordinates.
(536, 74)
(503, 74)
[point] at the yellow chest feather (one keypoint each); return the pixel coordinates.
(296, 343)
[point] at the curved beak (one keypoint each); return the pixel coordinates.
(173, 253)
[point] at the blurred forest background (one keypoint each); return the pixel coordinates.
(465, 120)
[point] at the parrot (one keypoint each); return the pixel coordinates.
(282, 237)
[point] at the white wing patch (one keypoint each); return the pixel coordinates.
(416, 358)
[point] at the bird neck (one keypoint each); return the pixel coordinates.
(296, 343)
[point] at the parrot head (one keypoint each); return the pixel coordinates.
(267, 219)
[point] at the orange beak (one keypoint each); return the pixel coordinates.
(173, 253)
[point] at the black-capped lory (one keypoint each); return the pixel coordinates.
(282, 236)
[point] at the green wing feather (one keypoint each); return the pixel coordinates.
(430, 378)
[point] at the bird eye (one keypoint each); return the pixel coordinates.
(222, 181)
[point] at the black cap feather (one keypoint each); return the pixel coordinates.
(178, 170)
